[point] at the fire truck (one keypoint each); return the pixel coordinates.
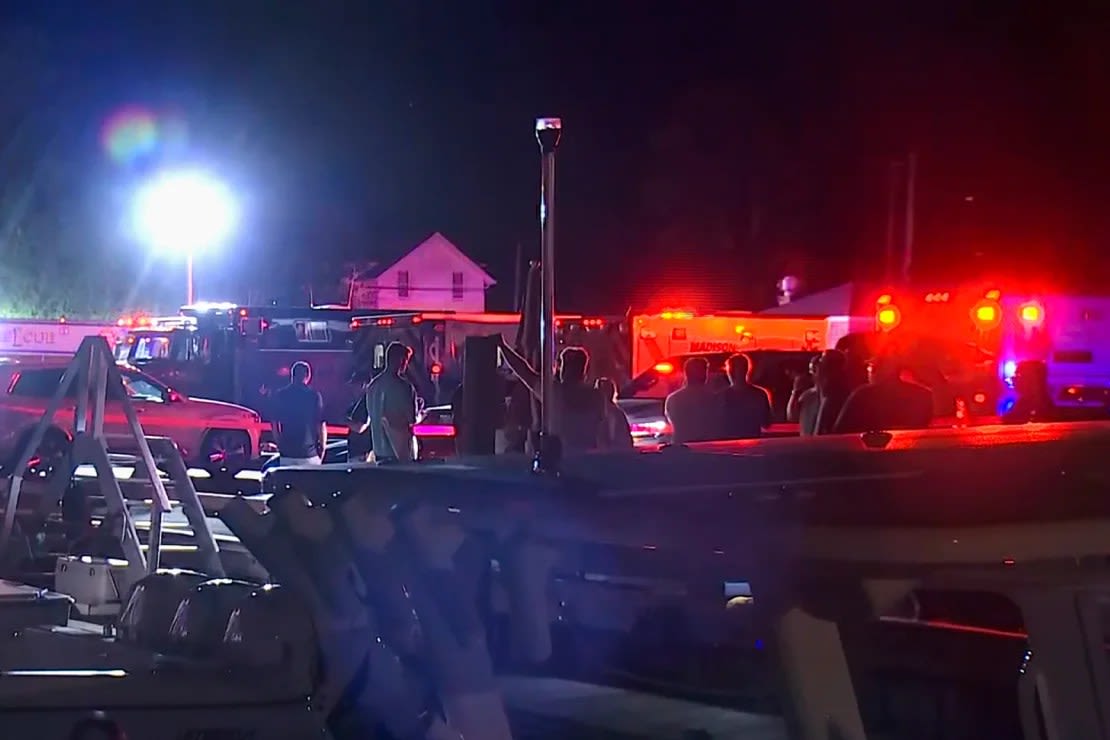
(972, 338)
(671, 333)
(45, 338)
(437, 339)
(242, 354)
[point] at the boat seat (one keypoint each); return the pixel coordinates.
(152, 605)
(200, 623)
(272, 628)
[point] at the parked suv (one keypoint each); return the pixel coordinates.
(209, 433)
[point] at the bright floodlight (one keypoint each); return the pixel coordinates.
(184, 212)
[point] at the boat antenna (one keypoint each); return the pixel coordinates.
(548, 133)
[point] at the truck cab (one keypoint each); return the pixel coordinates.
(242, 354)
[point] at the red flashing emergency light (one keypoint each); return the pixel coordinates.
(987, 314)
(677, 315)
(888, 317)
(1031, 314)
(664, 368)
(593, 323)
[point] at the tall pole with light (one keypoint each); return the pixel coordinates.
(184, 213)
(549, 131)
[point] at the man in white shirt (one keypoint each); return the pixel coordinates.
(391, 408)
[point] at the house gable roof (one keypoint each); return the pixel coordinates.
(436, 240)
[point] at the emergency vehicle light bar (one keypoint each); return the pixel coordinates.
(208, 306)
(470, 317)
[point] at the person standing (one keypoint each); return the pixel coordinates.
(886, 402)
(391, 408)
(833, 388)
(692, 410)
(359, 444)
(580, 412)
(617, 432)
(802, 394)
(1034, 399)
(746, 407)
(298, 419)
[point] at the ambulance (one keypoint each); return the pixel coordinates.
(671, 333)
(976, 335)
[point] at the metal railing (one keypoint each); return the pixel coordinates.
(87, 379)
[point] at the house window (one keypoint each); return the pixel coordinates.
(403, 284)
(456, 286)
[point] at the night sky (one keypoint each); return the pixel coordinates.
(706, 143)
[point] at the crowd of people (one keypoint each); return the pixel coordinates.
(839, 395)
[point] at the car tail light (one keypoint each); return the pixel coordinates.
(650, 428)
(433, 430)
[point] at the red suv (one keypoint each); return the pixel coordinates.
(209, 433)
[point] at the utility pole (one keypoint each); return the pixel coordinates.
(911, 196)
(518, 267)
(893, 181)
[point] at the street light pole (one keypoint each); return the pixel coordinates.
(548, 133)
(190, 293)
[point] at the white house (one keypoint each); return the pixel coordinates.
(434, 275)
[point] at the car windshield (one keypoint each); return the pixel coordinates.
(150, 346)
(143, 388)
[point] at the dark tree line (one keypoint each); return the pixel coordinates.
(55, 258)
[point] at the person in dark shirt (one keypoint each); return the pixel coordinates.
(746, 407)
(692, 410)
(579, 408)
(299, 419)
(616, 432)
(1034, 399)
(886, 402)
(834, 385)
